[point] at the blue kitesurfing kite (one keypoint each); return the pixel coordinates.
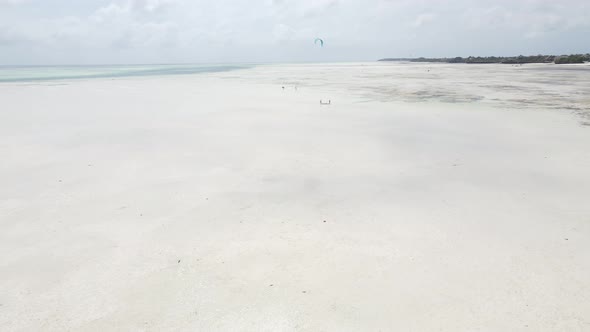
(320, 41)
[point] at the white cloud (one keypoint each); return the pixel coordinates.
(151, 5)
(12, 2)
(423, 19)
(283, 30)
(109, 11)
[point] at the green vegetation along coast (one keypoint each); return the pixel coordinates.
(521, 59)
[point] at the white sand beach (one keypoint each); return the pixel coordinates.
(425, 197)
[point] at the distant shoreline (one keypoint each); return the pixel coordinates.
(521, 59)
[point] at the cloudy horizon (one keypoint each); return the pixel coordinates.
(40, 32)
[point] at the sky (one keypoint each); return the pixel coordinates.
(40, 32)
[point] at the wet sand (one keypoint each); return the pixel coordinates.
(454, 199)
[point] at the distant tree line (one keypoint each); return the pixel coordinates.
(576, 58)
(521, 59)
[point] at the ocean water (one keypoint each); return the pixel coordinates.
(46, 73)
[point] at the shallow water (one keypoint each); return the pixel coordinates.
(532, 86)
(44, 73)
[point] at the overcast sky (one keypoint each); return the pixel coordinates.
(173, 31)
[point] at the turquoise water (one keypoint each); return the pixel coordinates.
(45, 73)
